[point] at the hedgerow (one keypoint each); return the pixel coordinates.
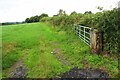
(106, 21)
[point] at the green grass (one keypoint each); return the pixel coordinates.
(36, 41)
(0, 52)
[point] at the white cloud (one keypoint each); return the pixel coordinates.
(19, 10)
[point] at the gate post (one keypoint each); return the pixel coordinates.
(96, 42)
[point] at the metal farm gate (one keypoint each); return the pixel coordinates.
(83, 33)
(92, 37)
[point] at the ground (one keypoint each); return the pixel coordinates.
(43, 51)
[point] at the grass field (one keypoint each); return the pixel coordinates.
(36, 43)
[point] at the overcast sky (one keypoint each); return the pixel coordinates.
(19, 10)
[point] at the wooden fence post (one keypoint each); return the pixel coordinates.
(96, 42)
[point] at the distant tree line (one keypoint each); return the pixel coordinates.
(35, 18)
(11, 23)
(27, 20)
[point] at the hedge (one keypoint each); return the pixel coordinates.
(106, 21)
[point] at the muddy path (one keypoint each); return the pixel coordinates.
(84, 73)
(58, 54)
(18, 70)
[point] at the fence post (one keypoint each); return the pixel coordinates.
(91, 39)
(96, 41)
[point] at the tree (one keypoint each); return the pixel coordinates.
(88, 12)
(35, 18)
(100, 8)
(61, 12)
(27, 20)
(73, 13)
(43, 15)
(64, 13)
